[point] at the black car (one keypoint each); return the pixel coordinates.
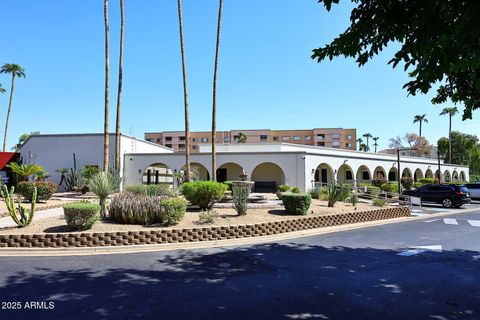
(449, 195)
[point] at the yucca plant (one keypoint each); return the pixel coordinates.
(335, 193)
(104, 184)
(19, 214)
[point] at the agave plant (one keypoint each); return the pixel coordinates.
(104, 184)
(336, 193)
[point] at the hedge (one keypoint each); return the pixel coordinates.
(296, 203)
(81, 215)
(203, 193)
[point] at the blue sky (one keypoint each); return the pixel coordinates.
(266, 77)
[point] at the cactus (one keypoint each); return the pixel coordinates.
(20, 214)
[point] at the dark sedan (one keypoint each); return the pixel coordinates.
(449, 195)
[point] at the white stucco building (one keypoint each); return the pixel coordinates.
(270, 165)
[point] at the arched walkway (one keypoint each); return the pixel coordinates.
(418, 174)
(198, 171)
(324, 174)
(363, 175)
(428, 173)
(446, 176)
(267, 177)
(406, 173)
(157, 173)
(455, 176)
(392, 174)
(345, 174)
(463, 176)
(379, 173)
(229, 171)
(437, 176)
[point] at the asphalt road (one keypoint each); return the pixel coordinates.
(370, 273)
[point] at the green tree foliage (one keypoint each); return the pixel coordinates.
(465, 150)
(24, 138)
(439, 44)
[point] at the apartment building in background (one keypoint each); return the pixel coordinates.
(320, 137)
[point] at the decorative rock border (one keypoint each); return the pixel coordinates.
(197, 234)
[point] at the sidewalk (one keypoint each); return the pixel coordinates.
(7, 221)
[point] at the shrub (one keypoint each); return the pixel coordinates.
(81, 215)
(378, 202)
(103, 184)
(45, 190)
(426, 180)
(207, 217)
(203, 193)
(172, 210)
(296, 203)
(407, 183)
(296, 190)
(353, 198)
(391, 187)
(417, 185)
(474, 178)
(315, 193)
(378, 182)
(240, 198)
(135, 209)
(150, 189)
(283, 188)
(229, 184)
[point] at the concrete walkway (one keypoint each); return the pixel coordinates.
(6, 222)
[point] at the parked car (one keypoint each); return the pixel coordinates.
(449, 195)
(474, 189)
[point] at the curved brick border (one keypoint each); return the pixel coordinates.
(197, 234)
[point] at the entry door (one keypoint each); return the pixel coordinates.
(222, 175)
(324, 176)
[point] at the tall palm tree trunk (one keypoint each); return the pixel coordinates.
(185, 95)
(8, 113)
(119, 93)
(106, 136)
(214, 106)
(450, 140)
(420, 131)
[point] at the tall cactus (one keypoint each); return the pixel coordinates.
(20, 214)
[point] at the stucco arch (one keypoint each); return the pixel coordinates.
(428, 173)
(157, 173)
(447, 176)
(455, 176)
(267, 177)
(379, 173)
(230, 170)
(324, 173)
(418, 174)
(363, 174)
(345, 174)
(463, 177)
(393, 174)
(198, 171)
(407, 173)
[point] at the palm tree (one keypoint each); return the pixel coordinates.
(420, 118)
(25, 170)
(119, 93)
(360, 142)
(375, 144)
(214, 106)
(185, 95)
(368, 136)
(2, 89)
(106, 135)
(451, 112)
(16, 71)
(242, 137)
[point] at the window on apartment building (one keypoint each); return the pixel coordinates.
(168, 145)
(195, 140)
(226, 140)
(336, 136)
(336, 144)
(263, 137)
(195, 147)
(321, 144)
(307, 138)
(275, 138)
(181, 146)
(181, 138)
(349, 137)
(348, 145)
(168, 138)
(348, 175)
(235, 138)
(285, 138)
(204, 139)
(320, 136)
(149, 139)
(159, 140)
(297, 138)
